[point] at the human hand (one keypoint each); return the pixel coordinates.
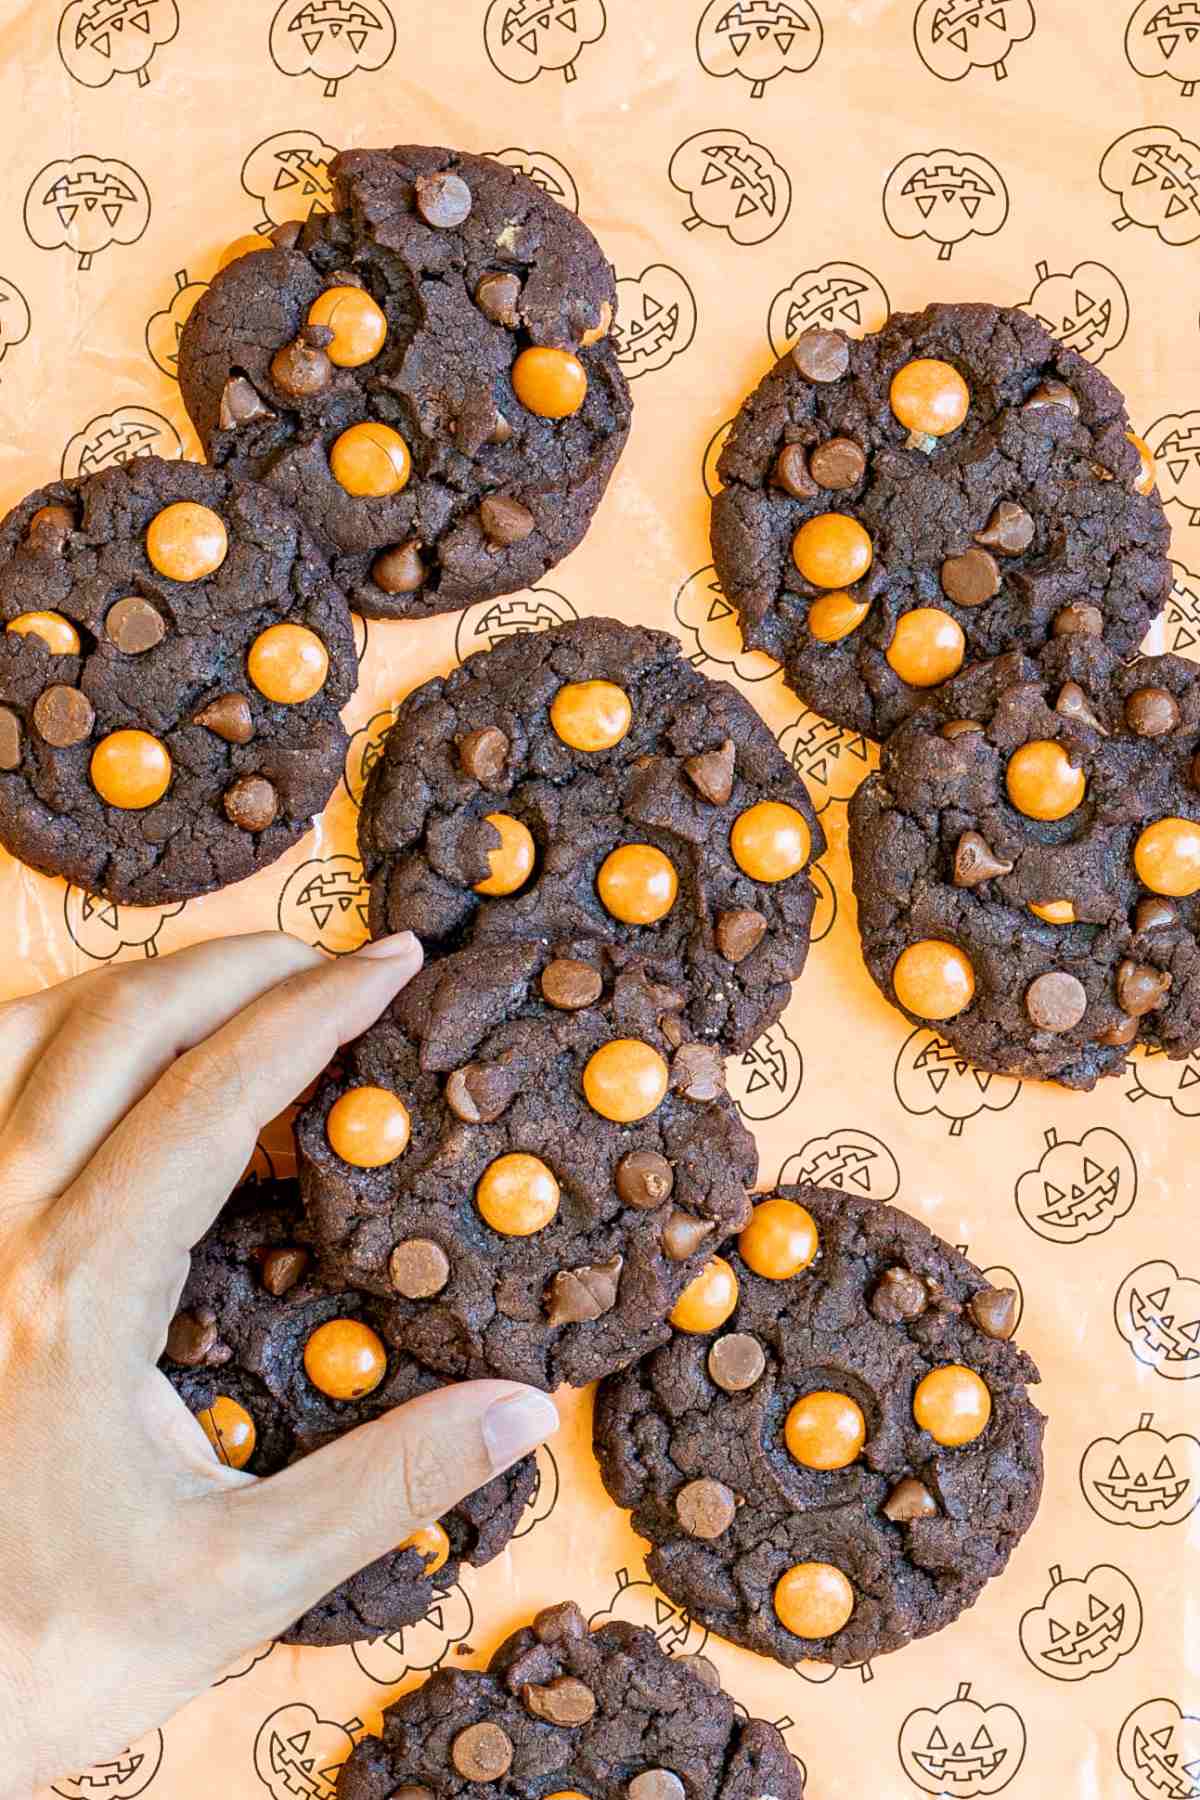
(130, 1103)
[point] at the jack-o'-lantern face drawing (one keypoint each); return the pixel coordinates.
(1156, 172)
(103, 930)
(120, 1778)
(945, 195)
(835, 297)
(1158, 1748)
(1143, 1479)
(298, 1755)
(331, 39)
(326, 902)
(85, 205)
(552, 176)
(709, 628)
(1163, 38)
(656, 319)
(117, 437)
(288, 174)
(362, 752)
(765, 1079)
(1174, 441)
(1087, 309)
(849, 1160)
(98, 39)
(164, 329)
(1084, 1626)
(932, 1076)
(832, 760)
(955, 36)
(1157, 1311)
(639, 1602)
(1079, 1188)
(525, 38)
(962, 1748)
(488, 622)
(1155, 1074)
(732, 183)
(14, 317)
(758, 40)
(420, 1648)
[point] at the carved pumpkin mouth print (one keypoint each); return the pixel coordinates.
(121, 1778)
(1154, 1322)
(325, 902)
(1089, 1640)
(963, 1748)
(656, 319)
(1141, 1493)
(331, 39)
(484, 626)
(837, 305)
(1159, 1750)
(1165, 40)
(299, 1753)
(758, 39)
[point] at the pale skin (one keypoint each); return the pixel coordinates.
(130, 1103)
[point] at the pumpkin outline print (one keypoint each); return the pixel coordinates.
(1120, 1490)
(297, 1752)
(362, 752)
(324, 902)
(165, 327)
(707, 620)
(817, 1674)
(1170, 1078)
(1175, 442)
(117, 437)
(331, 39)
(712, 456)
(637, 1601)
(1063, 304)
(544, 1498)
(1084, 1202)
(103, 930)
(1157, 1312)
(93, 43)
(825, 903)
(945, 1069)
(731, 183)
(758, 40)
(1070, 1636)
(72, 201)
(16, 321)
(1155, 171)
(765, 1078)
(656, 319)
(1165, 26)
(514, 49)
(252, 1658)
(832, 761)
(1181, 622)
(420, 1648)
(1149, 1754)
(922, 186)
(978, 1759)
(120, 1777)
(288, 174)
(849, 1160)
(942, 32)
(553, 177)
(489, 622)
(838, 296)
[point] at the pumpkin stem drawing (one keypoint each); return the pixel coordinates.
(964, 1691)
(1055, 1574)
(1051, 1137)
(143, 77)
(690, 223)
(1042, 271)
(1145, 1420)
(945, 252)
(569, 72)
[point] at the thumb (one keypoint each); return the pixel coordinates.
(301, 1532)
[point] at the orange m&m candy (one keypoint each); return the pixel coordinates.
(58, 634)
(370, 461)
(1167, 857)
(551, 383)
(130, 769)
(825, 1430)
(345, 1359)
(242, 246)
(185, 541)
(431, 1545)
(927, 646)
(368, 1127)
(517, 1194)
(288, 664)
(230, 1430)
(510, 864)
(952, 1404)
(591, 715)
(708, 1300)
(835, 615)
(359, 327)
(933, 979)
(637, 884)
(813, 1600)
(770, 841)
(1054, 912)
(1148, 473)
(832, 550)
(1042, 781)
(624, 1080)
(929, 396)
(779, 1240)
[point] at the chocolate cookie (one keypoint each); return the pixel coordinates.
(424, 373)
(605, 1713)
(588, 780)
(171, 672)
(530, 1158)
(835, 1458)
(955, 486)
(259, 1351)
(1027, 862)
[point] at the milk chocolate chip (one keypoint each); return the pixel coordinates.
(644, 1179)
(570, 984)
(483, 754)
(683, 1235)
(419, 1268)
(910, 1499)
(711, 773)
(976, 861)
(63, 716)
(739, 932)
(479, 1093)
(705, 1508)
(241, 404)
(190, 1337)
(575, 1295)
(504, 520)
(900, 1295)
(994, 1310)
(227, 717)
(563, 1701)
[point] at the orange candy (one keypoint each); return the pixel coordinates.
(832, 550)
(637, 884)
(813, 1600)
(130, 769)
(551, 383)
(624, 1080)
(242, 246)
(431, 1544)
(345, 1359)
(288, 664)
(825, 1430)
(591, 715)
(1167, 857)
(929, 396)
(510, 864)
(1042, 781)
(952, 1404)
(368, 1127)
(779, 1240)
(185, 541)
(708, 1300)
(1148, 473)
(230, 1430)
(770, 841)
(927, 646)
(58, 634)
(517, 1194)
(933, 979)
(370, 461)
(1055, 912)
(359, 327)
(836, 615)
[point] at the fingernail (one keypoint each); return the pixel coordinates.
(514, 1426)
(400, 944)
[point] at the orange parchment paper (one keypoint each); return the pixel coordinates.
(877, 153)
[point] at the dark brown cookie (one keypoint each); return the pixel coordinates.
(963, 488)
(1030, 885)
(461, 1164)
(172, 670)
(861, 1489)
(255, 1325)
(453, 319)
(686, 839)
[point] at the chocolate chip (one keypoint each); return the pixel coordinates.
(479, 1093)
(1155, 914)
(1151, 711)
(575, 1295)
(419, 1268)
(189, 1338)
(409, 1791)
(791, 473)
(443, 199)
(994, 1310)
(976, 861)
(554, 1623)
(683, 1234)
(50, 527)
(643, 1179)
(698, 1072)
(900, 1295)
(955, 728)
(504, 520)
(838, 463)
(821, 355)
(399, 570)
(1122, 1032)
(909, 1499)
(1009, 530)
(251, 802)
(10, 739)
(1052, 393)
(1073, 703)
(711, 773)
(133, 625)
(241, 404)
(227, 717)
(736, 1362)
(705, 1508)
(704, 1671)
(483, 754)
(63, 715)
(570, 984)
(287, 235)
(496, 297)
(1056, 1001)
(302, 367)
(282, 1268)
(656, 1784)
(738, 932)
(482, 1752)
(971, 578)
(563, 1701)
(1140, 987)
(1079, 620)
(501, 430)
